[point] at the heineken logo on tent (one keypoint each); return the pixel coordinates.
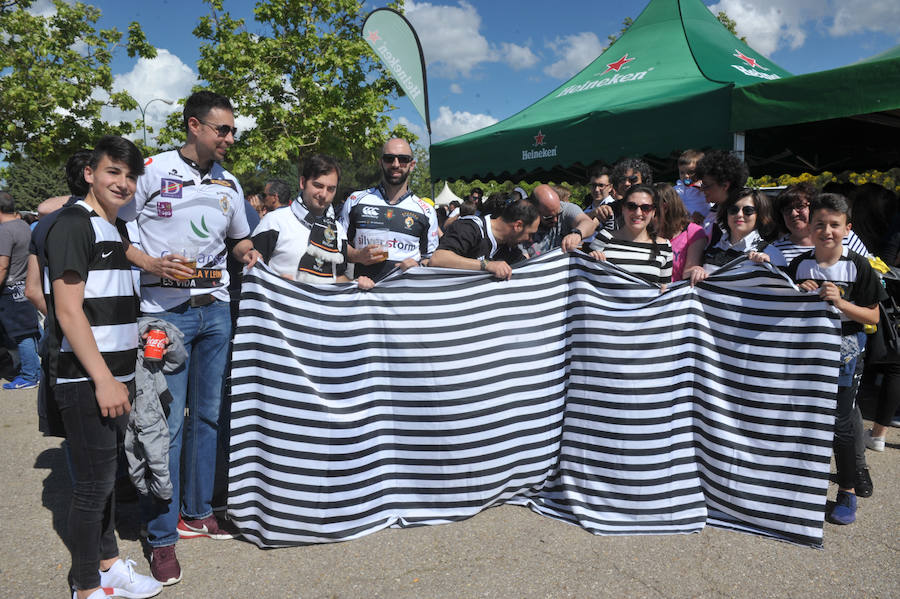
(619, 77)
(406, 80)
(543, 152)
(753, 65)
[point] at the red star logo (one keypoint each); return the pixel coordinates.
(615, 66)
(373, 36)
(539, 139)
(750, 61)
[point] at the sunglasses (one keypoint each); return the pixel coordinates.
(797, 207)
(633, 207)
(551, 217)
(747, 210)
(221, 130)
(632, 179)
(401, 158)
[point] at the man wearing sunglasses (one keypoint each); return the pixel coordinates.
(628, 172)
(563, 224)
(388, 225)
(186, 199)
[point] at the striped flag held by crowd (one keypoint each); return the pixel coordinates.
(574, 388)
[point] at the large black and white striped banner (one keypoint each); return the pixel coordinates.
(573, 388)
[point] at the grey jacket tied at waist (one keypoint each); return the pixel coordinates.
(147, 435)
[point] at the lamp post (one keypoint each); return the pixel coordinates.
(143, 114)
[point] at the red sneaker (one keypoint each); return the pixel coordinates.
(164, 565)
(205, 527)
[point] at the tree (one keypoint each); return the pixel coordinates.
(306, 77)
(55, 77)
(30, 182)
(730, 25)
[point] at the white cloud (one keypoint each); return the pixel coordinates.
(456, 88)
(575, 52)
(855, 16)
(452, 43)
(450, 123)
(770, 25)
(42, 8)
(165, 76)
(518, 57)
(416, 128)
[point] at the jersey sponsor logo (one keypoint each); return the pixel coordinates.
(105, 255)
(174, 172)
(370, 211)
(223, 203)
(164, 209)
(388, 244)
(389, 214)
(202, 231)
(224, 182)
(170, 188)
(148, 161)
(409, 222)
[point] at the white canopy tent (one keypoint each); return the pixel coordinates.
(446, 196)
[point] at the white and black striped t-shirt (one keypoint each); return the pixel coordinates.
(790, 250)
(649, 261)
(83, 242)
(852, 274)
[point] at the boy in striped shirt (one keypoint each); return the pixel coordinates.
(92, 327)
(844, 279)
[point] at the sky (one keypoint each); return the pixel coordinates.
(489, 59)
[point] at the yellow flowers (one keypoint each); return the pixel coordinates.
(889, 179)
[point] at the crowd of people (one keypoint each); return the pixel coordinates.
(163, 230)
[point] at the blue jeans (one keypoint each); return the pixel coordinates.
(199, 386)
(30, 368)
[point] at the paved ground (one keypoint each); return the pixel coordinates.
(503, 552)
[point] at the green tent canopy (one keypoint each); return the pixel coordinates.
(841, 119)
(665, 85)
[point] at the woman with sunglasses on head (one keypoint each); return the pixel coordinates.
(747, 224)
(635, 246)
(688, 240)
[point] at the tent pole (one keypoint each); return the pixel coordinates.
(740, 144)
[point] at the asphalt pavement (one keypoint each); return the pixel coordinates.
(503, 552)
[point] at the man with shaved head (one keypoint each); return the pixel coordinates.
(388, 225)
(563, 225)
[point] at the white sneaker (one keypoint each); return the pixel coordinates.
(123, 581)
(98, 594)
(874, 443)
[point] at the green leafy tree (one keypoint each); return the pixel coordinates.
(30, 182)
(730, 25)
(55, 78)
(304, 74)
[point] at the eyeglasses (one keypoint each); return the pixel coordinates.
(798, 207)
(401, 158)
(747, 210)
(221, 130)
(633, 207)
(596, 185)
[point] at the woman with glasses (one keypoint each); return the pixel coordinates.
(792, 204)
(635, 246)
(747, 224)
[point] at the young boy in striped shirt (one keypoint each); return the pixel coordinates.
(847, 281)
(92, 327)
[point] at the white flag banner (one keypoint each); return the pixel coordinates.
(573, 388)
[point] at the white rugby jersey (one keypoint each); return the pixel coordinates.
(83, 242)
(282, 237)
(405, 229)
(178, 207)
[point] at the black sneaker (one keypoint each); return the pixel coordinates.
(864, 487)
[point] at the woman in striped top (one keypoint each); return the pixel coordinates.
(793, 206)
(636, 247)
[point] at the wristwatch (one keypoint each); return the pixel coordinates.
(577, 231)
(483, 264)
